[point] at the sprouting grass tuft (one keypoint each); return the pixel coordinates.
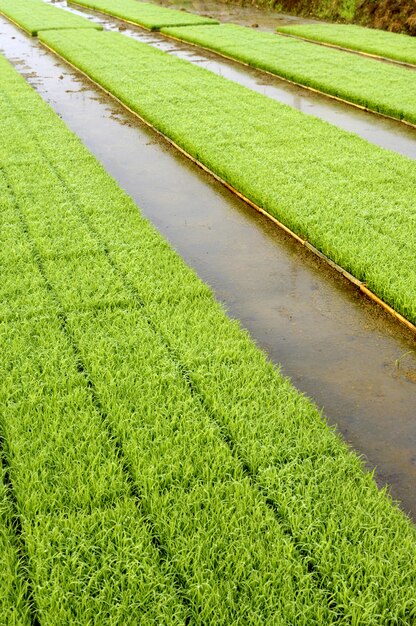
(36, 15)
(379, 42)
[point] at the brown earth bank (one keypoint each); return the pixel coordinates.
(392, 15)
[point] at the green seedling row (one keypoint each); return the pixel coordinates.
(83, 552)
(89, 551)
(150, 16)
(378, 42)
(243, 566)
(263, 513)
(36, 15)
(15, 604)
(235, 561)
(380, 87)
(350, 199)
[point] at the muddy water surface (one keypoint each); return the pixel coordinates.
(356, 363)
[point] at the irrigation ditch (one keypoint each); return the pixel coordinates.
(338, 348)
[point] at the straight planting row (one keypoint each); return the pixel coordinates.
(147, 15)
(171, 474)
(35, 15)
(380, 87)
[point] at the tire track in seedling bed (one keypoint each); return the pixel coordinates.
(118, 447)
(16, 524)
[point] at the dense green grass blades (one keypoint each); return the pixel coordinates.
(381, 87)
(222, 538)
(352, 200)
(35, 15)
(90, 554)
(14, 593)
(100, 569)
(193, 490)
(378, 42)
(150, 16)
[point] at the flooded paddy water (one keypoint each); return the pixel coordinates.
(340, 349)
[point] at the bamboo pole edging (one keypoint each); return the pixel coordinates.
(19, 26)
(352, 279)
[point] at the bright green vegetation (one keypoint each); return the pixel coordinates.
(35, 15)
(379, 42)
(145, 14)
(134, 508)
(352, 200)
(384, 88)
(14, 594)
(163, 470)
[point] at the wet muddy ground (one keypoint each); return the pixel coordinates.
(342, 350)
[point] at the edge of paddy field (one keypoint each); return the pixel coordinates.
(319, 491)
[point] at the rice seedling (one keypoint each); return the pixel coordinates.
(171, 475)
(14, 592)
(148, 15)
(352, 200)
(77, 538)
(85, 530)
(376, 86)
(372, 41)
(35, 15)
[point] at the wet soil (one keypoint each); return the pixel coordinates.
(339, 348)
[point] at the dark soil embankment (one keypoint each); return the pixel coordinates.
(393, 15)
